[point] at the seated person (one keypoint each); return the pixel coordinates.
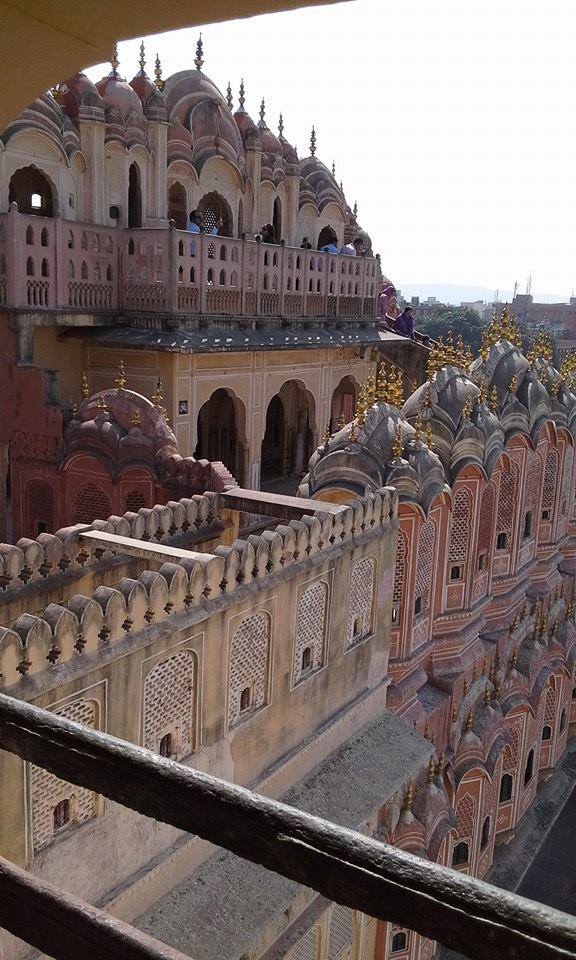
(305, 245)
(267, 233)
(331, 246)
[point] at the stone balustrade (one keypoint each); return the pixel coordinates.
(33, 644)
(54, 264)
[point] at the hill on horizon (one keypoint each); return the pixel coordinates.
(456, 293)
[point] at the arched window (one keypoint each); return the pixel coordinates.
(223, 252)
(109, 273)
(84, 270)
(29, 267)
(97, 276)
(306, 658)
(506, 784)
(177, 210)
(222, 278)
(245, 699)
(460, 854)
(180, 248)
(33, 193)
(134, 197)
(71, 271)
(210, 276)
(546, 732)
(233, 279)
(529, 771)
(44, 270)
(266, 258)
(501, 541)
(485, 834)
(84, 241)
(399, 942)
(277, 219)
(2, 264)
(70, 240)
(44, 237)
(181, 273)
(61, 814)
(165, 746)
(192, 274)
(240, 218)
(29, 236)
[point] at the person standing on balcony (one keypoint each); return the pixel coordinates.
(194, 223)
(305, 245)
(331, 246)
(267, 233)
(405, 323)
(359, 247)
(388, 307)
(348, 250)
(217, 228)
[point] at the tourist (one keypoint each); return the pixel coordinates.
(217, 228)
(388, 306)
(267, 233)
(405, 322)
(305, 245)
(359, 247)
(348, 250)
(331, 246)
(195, 222)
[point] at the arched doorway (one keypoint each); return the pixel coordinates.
(289, 437)
(327, 235)
(134, 197)
(33, 192)
(343, 402)
(212, 208)
(222, 432)
(277, 219)
(177, 209)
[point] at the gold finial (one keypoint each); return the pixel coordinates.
(469, 721)
(160, 83)
(494, 403)
(431, 770)
(454, 714)
(101, 404)
(121, 378)
(468, 406)
(355, 210)
(85, 390)
(417, 428)
(341, 421)
(199, 58)
(513, 659)
(136, 420)
(427, 399)
(74, 411)
(327, 435)
(333, 169)
(431, 366)
(497, 689)
(482, 396)
(381, 385)
(487, 693)
(408, 798)
(142, 60)
(449, 349)
(263, 112)
(555, 388)
(361, 408)
(313, 142)
(440, 355)
(513, 385)
(440, 765)
(157, 398)
(115, 63)
(468, 357)
(353, 438)
(281, 128)
(460, 355)
(398, 443)
(428, 439)
(370, 390)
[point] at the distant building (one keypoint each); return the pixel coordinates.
(478, 306)
(558, 319)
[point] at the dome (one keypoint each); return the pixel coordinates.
(270, 143)
(119, 96)
(150, 96)
(78, 96)
(195, 103)
(246, 125)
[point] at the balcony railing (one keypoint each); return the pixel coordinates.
(53, 264)
(464, 914)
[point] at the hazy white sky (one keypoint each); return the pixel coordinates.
(452, 124)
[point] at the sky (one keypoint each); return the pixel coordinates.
(452, 124)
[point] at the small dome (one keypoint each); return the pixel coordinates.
(246, 125)
(79, 96)
(119, 95)
(147, 90)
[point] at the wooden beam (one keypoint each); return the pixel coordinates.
(64, 927)
(462, 913)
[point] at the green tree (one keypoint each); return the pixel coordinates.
(439, 319)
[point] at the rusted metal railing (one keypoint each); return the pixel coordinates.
(460, 912)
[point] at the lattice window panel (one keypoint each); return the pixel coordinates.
(310, 627)
(515, 733)
(506, 504)
(307, 947)
(134, 501)
(400, 570)
(360, 601)
(567, 481)
(425, 566)
(486, 521)
(466, 815)
(550, 709)
(47, 791)
(460, 530)
(550, 474)
(40, 505)
(169, 703)
(248, 668)
(91, 504)
(341, 932)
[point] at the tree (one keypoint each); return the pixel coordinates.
(439, 319)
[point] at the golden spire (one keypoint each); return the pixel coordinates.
(101, 404)
(469, 720)
(428, 440)
(494, 403)
(482, 396)
(440, 765)
(229, 98)
(468, 357)
(427, 399)
(85, 390)
(417, 428)
(465, 686)
(74, 411)
(513, 385)
(327, 435)
(460, 355)
(121, 378)
(408, 798)
(399, 388)
(341, 422)
(370, 390)
(136, 420)
(157, 398)
(353, 437)
(160, 83)
(513, 659)
(431, 366)
(454, 713)
(361, 408)
(398, 443)
(555, 388)
(449, 349)
(313, 142)
(381, 385)
(487, 694)
(468, 406)
(440, 355)
(431, 770)
(485, 345)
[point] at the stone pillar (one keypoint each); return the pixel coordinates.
(157, 201)
(92, 133)
(300, 443)
(253, 169)
(291, 212)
